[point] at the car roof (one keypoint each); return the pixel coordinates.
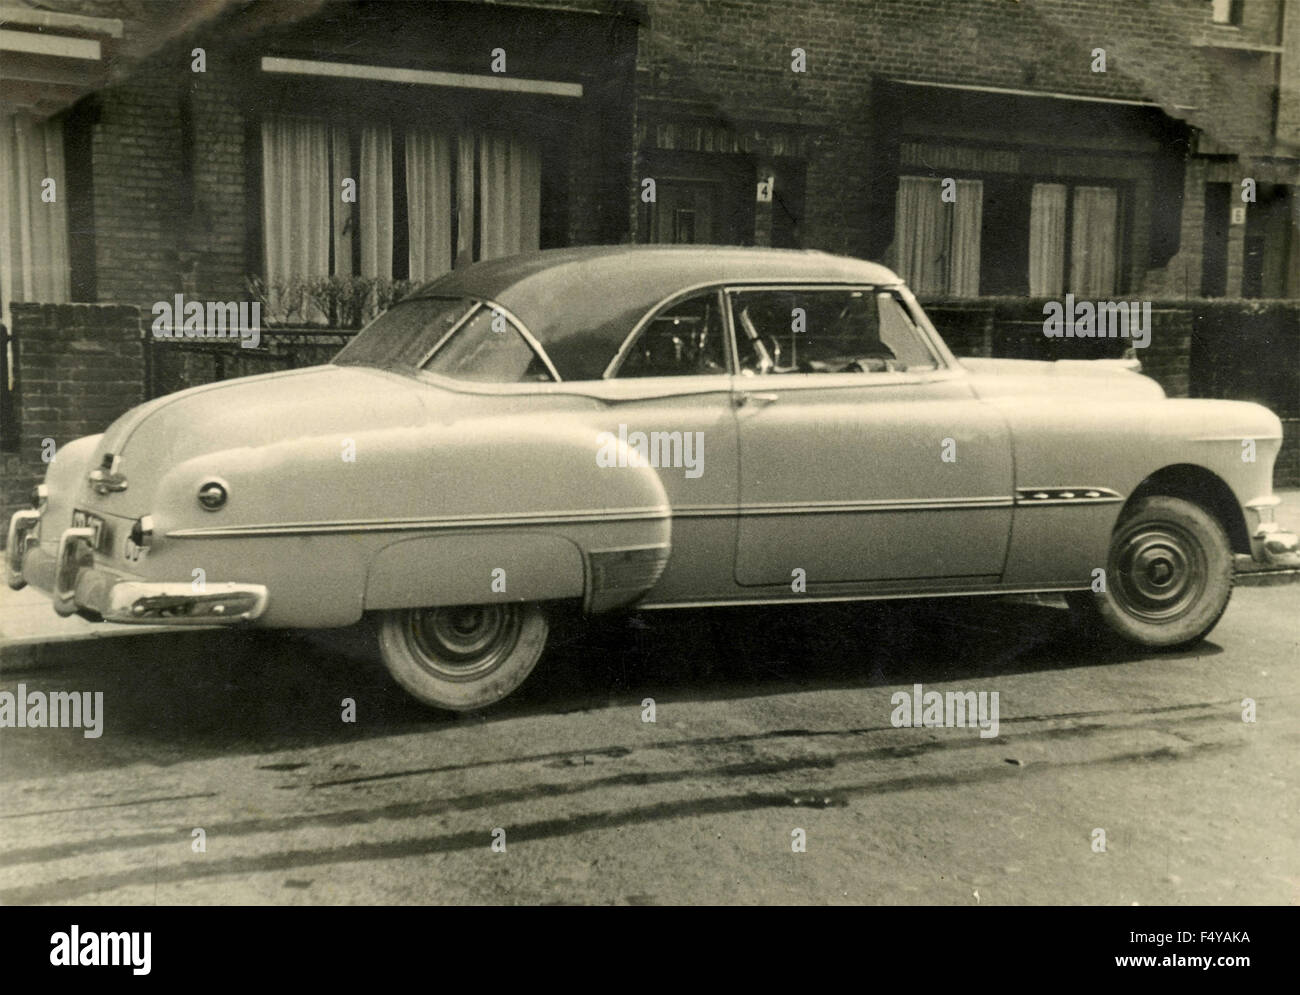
(581, 303)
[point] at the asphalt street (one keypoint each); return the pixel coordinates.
(766, 722)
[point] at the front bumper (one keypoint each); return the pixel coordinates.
(78, 587)
(1270, 544)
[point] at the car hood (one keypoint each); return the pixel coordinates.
(1112, 379)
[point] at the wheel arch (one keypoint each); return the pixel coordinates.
(1201, 487)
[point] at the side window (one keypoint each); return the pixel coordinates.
(687, 339)
(826, 331)
(488, 348)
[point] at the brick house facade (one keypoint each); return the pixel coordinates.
(703, 98)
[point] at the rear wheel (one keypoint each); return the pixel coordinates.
(462, 657)
(1168, 577)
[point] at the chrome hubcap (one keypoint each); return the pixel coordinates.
(1160, 571)
(463, 642)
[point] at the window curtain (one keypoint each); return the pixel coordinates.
(1047, 240)
(509, 196)
(937, 244)
(295, 198)
(967, 220)
(1094, 241)
(375, 200)
(465, 158)
(345, 212)
(428, 198)
(921, 235)
(33, 233)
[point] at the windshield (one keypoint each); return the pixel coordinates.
(454, 337)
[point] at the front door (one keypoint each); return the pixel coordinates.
(862, 458)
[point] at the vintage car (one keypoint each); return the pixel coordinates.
(657, 427)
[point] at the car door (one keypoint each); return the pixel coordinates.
(668, 397)
(863, 457)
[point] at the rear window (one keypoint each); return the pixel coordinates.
(406, 334)
(453, 337)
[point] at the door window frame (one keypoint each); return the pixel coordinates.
(944, 367)
(658, 311)
(944, 359)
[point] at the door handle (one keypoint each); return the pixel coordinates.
(746, 397)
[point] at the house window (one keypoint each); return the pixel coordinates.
(33, 228)
(937, 242)
(1046, 238)
(425, 200)
(1226, 12)
(1092, 216)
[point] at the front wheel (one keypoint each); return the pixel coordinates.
(1168, 577)
(462, 657)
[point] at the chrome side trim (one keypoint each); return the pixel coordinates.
(1035, 496)
(511, 519)
(891, 595)
(506, 519)
(843, 507)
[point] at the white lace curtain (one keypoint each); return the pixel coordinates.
(937, 243)
(33, 231)
(1047, 240)
(304, 162)
(1094, 241)
(1094, 256)
(296, 196)
(509, 194)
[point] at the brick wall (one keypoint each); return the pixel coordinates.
(730, 62)
(170, 148)
(135, 152)
(77, 368)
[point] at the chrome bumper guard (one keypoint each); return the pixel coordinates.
(78, 587)
(1269, 543)
(16, 546)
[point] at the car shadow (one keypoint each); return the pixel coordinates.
(184, 696)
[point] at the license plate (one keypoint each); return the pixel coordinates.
(102, 537)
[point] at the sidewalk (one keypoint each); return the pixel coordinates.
(28, 622)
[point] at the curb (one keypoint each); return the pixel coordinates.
(38, 651)
(1267, 578)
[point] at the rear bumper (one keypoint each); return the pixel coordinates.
(78, 587)
(1270, 544)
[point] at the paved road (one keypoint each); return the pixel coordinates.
(767, 722)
